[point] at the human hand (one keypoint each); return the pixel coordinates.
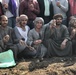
(37, 42)
(22, 42)
(31, 7)
(6, 38)
(5, 5)
(58, 3)
(63, 45)
(53, 23)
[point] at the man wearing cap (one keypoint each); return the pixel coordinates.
(56, 38)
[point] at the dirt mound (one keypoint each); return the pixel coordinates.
(50, 66)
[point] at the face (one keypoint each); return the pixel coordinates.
(58, 21)
(23, 21)
(39, 24)
(4, 21)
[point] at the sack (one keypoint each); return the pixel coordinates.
(7, 59)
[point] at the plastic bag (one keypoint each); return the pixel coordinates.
(7, 59)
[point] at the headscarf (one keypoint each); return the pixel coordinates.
(38, 19)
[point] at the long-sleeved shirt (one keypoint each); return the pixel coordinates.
(25, 9)
(62, 9)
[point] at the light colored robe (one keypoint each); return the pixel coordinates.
(32, 36)
(53, 40)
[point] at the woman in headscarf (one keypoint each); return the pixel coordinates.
(56, 38)
(20, 36)
(35, 37)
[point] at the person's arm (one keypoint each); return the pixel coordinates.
(63, 44)
(66, 37)
(30, 38)
(36, 9)
(64, 6)
(1, 43)
(16, 36)
(21, 8)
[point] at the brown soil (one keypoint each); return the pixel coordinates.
(50, 66)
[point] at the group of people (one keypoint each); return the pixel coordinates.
(44, 40)
(37, 8)
(20, 39)
(38, 28)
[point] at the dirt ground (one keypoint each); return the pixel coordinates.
(50, 66)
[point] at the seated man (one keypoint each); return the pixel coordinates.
(5, 37)
(56, 38)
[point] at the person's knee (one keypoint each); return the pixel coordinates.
(1, 50)
(33, 53)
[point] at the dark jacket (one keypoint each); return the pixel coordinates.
(42, 9)
(1, 9)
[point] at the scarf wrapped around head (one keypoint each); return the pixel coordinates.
(12, 7)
